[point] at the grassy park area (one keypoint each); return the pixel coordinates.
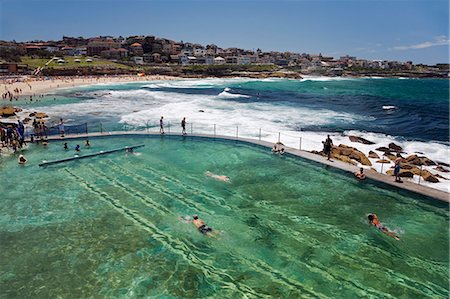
(71, 62)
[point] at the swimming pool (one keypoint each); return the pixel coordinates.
(108, 226)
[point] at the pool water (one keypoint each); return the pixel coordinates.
(108, 227)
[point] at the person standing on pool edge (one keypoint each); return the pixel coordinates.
(327, 146)
(161, 125)
(183, 126)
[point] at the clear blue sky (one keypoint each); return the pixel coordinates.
(385, 29)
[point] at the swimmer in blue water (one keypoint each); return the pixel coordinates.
(77, 148)
(373, 220)
(203, 228)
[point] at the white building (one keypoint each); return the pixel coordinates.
(219, 60)
(138, 59)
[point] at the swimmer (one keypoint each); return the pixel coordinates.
(87, 143)
(360, 175)
(203, 228)
(77, 148)
(130, 150)
(65, 146)
(223, 178)
(22, 159)
(373, 220)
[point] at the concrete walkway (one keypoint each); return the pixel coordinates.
(406, 185)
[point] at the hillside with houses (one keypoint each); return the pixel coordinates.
(154, 55)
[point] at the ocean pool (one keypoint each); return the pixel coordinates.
(108, 226)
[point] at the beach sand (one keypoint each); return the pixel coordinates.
(36, 87)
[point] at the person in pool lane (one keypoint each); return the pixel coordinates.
(373, 220)
(203, 228)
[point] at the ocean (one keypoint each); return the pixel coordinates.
(413, 113)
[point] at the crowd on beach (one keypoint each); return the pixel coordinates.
(12, 136)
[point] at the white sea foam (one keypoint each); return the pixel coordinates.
(228, 95)
(324, 78)
(389, 107)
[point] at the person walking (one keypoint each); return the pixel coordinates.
(183, 126)
(397, 169)
(161, 125)
(61, 127)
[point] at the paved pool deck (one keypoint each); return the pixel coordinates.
(382, 178)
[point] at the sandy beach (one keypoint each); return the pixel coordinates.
(38, 86)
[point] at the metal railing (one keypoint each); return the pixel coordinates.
(293, 139)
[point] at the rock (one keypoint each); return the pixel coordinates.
(351, 152)
(344, 159)
(429, 177)
(373, 155)
(440, 176)
(413, 159)
(395, 147)
(441, 169)
(32, 114)
(443, 164)
(383, 161)
(360, 140)
(390, 156)
(201, 110)
(40, 115)
(426, 161)
(383, 149)
(26, 120)
(404, 173)
(7, 111)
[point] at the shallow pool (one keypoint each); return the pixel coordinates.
(108, 227)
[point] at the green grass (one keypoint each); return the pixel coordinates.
(71, 64)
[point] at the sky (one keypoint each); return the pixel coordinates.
(416, 30)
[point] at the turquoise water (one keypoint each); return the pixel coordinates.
(108, 227)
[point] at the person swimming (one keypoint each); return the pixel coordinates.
(65, 146)
(22, 159)
(223, 178)
(373, 220)
(87, 143)
(77, 148)
(203, 228)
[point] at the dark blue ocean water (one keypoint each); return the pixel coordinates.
(421, 105)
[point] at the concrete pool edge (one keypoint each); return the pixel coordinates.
(378, 177)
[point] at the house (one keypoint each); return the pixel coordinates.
(13, 68)
(136, 49)
(219, 60)
(138, 59)
(96, 47)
